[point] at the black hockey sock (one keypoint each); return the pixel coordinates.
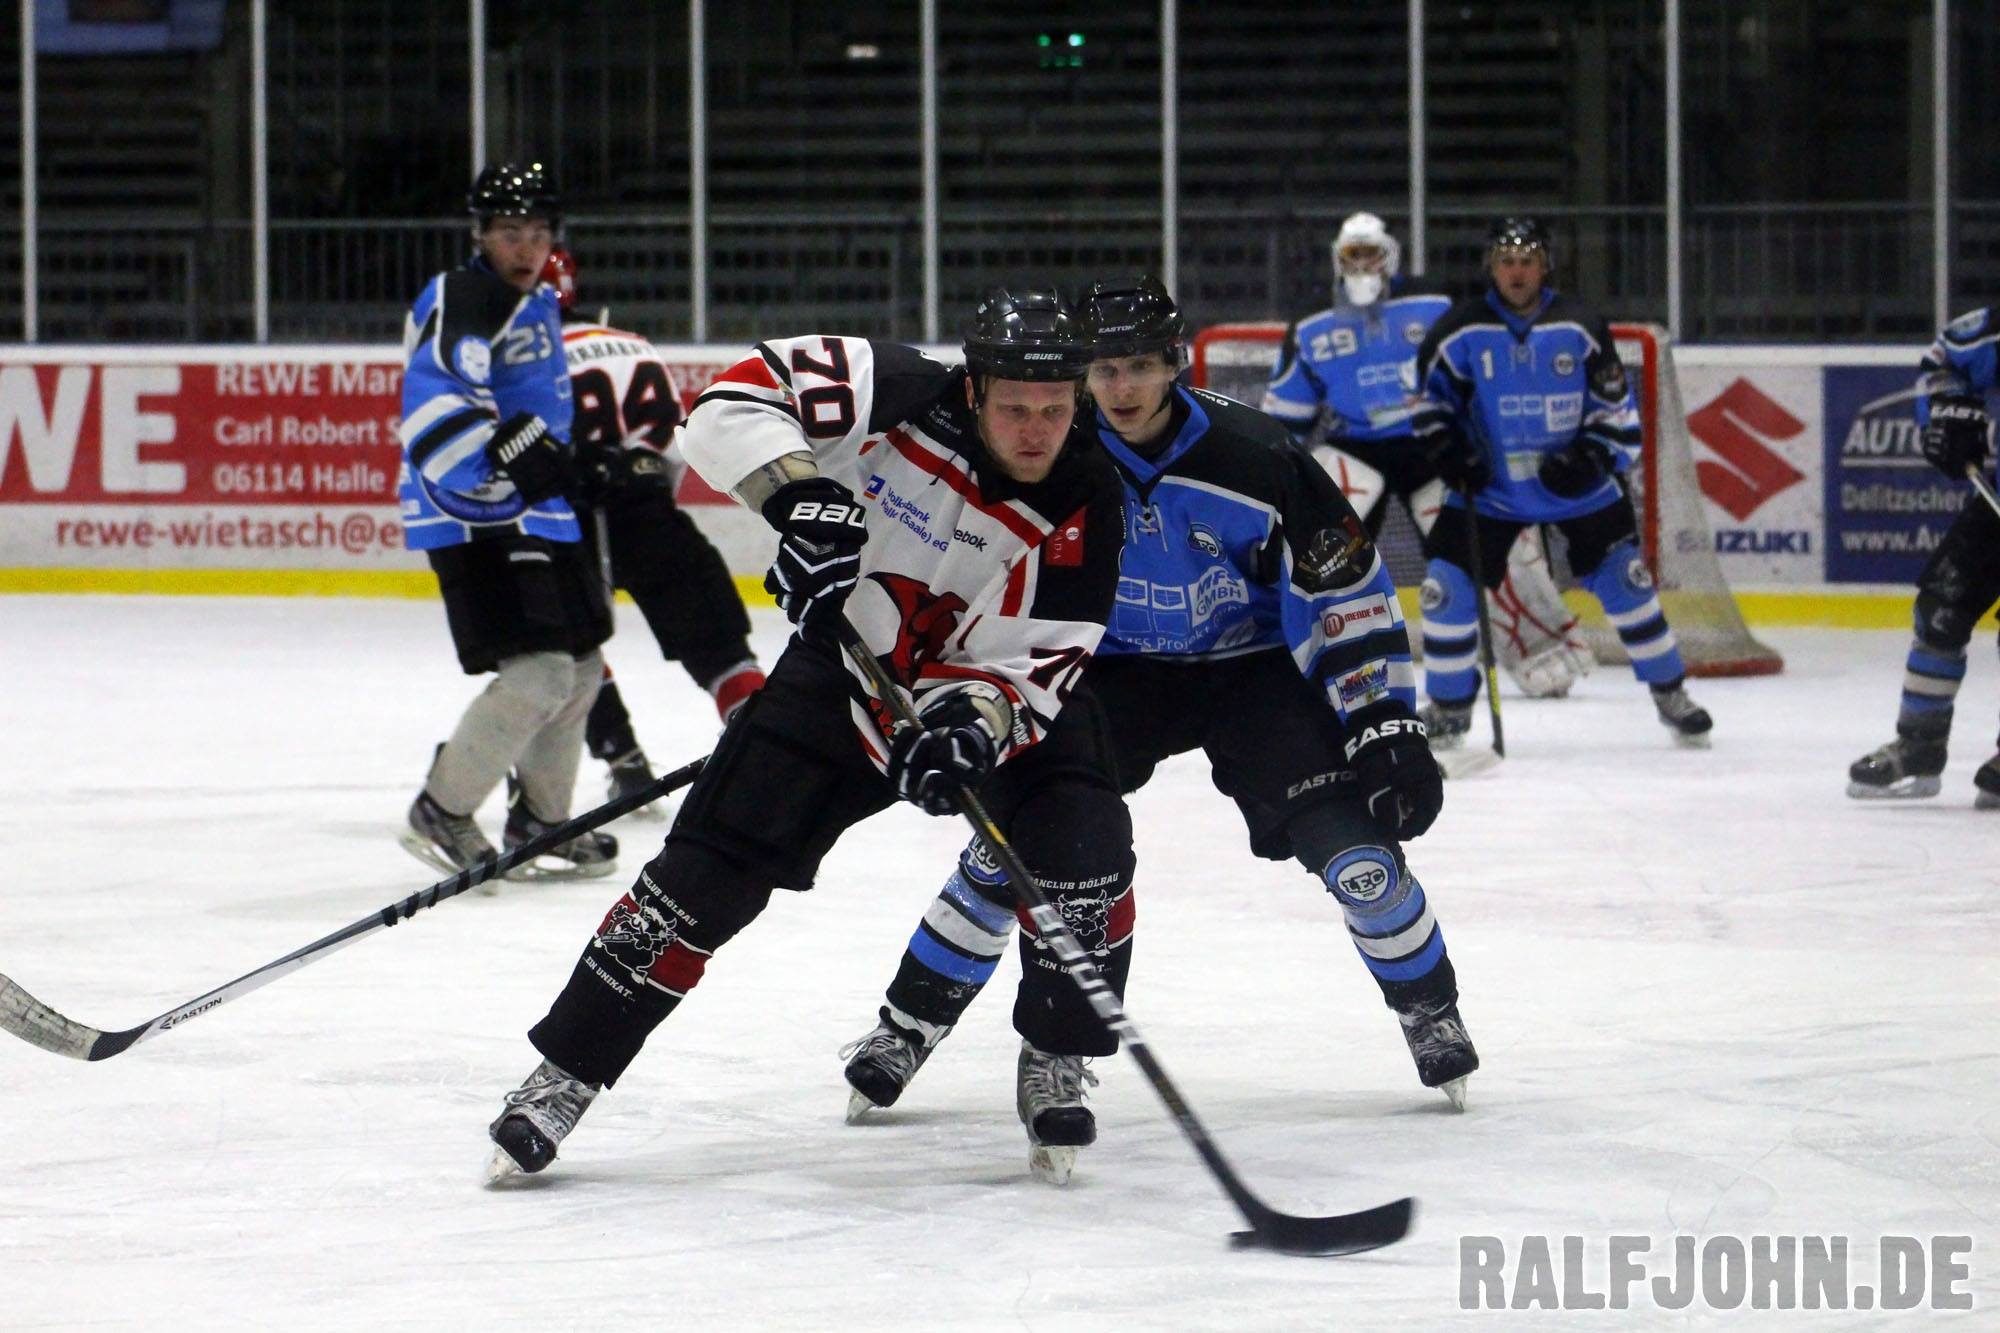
(608, 731)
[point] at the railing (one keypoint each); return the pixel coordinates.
(1768, 272)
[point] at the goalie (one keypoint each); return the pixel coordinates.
(1354, 364)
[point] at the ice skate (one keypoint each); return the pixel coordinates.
(449, 843)
(586, 856)
(1987, 780)
(1688, 720)
(1048, 1094)
(1441, 1048)
(1906, 768)
(630, 773)
(537, 1117)
(881, 1064)
(1446, 724)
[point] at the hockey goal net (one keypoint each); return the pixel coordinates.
(1236, 360)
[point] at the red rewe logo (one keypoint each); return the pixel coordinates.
(1738, 427)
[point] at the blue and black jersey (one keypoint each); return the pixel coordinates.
(1357, 362)
(1964, 359)
(1523, 387)
(1238, 542)
(476, 352)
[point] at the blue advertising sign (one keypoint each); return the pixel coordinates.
(1886, 508)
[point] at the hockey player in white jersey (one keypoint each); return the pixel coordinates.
(1353, 366)
(969, 530)
(627, 405)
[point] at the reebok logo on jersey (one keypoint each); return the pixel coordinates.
(1739, 425)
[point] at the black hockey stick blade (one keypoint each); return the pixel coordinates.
(1347, 1233)
(1342, 1233)
(39, 1025)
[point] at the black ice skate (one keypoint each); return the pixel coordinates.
(586, 856)
(1905, 768)
(448, 842)
(1688, 720)
(1987, 780)
(1048, 1095)
(1441, 1048)
(881, 1064)
(537, 1117)
(629, 773)
(1447, 724)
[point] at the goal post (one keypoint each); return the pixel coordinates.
(1237, 359)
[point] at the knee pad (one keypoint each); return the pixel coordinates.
(1941, 623)
(540, 682)
(1621, 581)
(1447, 598)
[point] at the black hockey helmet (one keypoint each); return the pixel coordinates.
(509, 190)
(1133, 318)
(1519, 233)
(1028, 335)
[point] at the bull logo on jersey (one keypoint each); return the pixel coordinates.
(1336, 557)
(925, 622)
(1089, 919)
(1201, 539)
(1609, 382)
(635, 937)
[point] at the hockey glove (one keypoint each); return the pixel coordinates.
(534, 460)
(1398, 778)
(822, 532)
(609, 471)
(1955, 439)
(1576, 469)
(955, 747)
(1460, 463)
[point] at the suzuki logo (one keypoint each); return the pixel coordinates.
(1738, 426)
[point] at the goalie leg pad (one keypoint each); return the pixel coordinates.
(1451, 634)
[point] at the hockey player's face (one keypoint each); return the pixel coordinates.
(1024, 424)
(1132, 392)
(1518, 274)
(517, 248)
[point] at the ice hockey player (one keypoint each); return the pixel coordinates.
(1256, 623)
(486, 464)
(1961, 580)
(626, 404)
(1522, 341)
(1354, 366)
(969, 529)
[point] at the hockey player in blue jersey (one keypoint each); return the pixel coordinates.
(1256, 623)
(486, 464)
(1354, 366)
(1960, 581)
(1530, 419)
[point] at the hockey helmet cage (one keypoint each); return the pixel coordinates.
(1365, 258)
(509, 190)
(560, 273)
(1133, 318)
(1028, 335)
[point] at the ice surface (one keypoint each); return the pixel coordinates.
(1712, 995)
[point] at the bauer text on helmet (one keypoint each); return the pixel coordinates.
(1365, 258)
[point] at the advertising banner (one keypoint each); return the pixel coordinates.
(1886, 507)
(1757, 434)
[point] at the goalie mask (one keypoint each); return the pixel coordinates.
(1365, 258)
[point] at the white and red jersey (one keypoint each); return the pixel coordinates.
(967, 573)
(622, 391)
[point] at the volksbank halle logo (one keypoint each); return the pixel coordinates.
(1739, 426)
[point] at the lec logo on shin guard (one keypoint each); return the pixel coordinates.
(1361, 875)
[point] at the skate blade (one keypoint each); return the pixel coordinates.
(417, 845)
(502, 1170)
(858, 1106)
(1986, 800)
(1698, 741)
(1051, 1165)
(534, 872)
(1466, 763)
(1907, 789)
(1454, 1090)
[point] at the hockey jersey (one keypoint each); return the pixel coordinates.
(1522, 387)
(477, 351)
(623, 392)
(967, 574)
(1358, 362)
(1238, 542)
(1965, 358)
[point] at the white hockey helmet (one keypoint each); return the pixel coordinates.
(1365, 257)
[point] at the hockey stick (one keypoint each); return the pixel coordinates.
(1342, 1233)
(32, 1021)
(1487, 665)
(1980, 484)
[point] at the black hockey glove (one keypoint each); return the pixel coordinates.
(1955, 439)
(608, 471)
(819, 558)
(1576, 469)
(955, 747)
(1398, 778)
(1460, 463)
(534, 460)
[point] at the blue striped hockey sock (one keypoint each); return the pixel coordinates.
(1623, 586)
